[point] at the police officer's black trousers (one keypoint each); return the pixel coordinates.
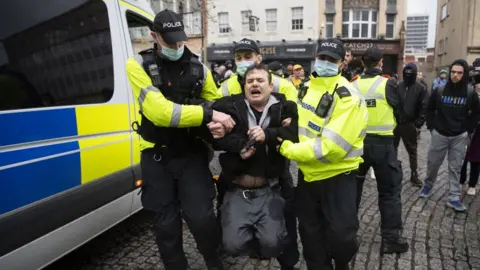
(180, 187)
(328, 221)
(290, 255)
(379, 153)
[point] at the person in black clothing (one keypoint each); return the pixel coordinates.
(412, 96)
(252, 214)
(453, 112)
(217, 77)
(347, 69)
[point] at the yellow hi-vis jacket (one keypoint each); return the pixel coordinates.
(381, 120)
(158, 109)
(231, 86)
(332, 145)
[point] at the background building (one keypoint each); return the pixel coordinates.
(457, 35)
(191, 12)
(364, 23)
(417, 34)
(286, 31)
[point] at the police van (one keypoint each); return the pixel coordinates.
(69, 159)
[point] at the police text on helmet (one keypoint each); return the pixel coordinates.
(329, 44)
(172, 25)
(245, 42)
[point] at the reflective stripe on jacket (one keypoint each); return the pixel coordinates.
(332, 145)
(381, 120)
(158, 109)
(280, 85)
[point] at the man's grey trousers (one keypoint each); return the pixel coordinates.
(253, 215)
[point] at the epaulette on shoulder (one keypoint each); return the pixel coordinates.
(354, 78)
(343, 92)
(386, 76)
(146, 51)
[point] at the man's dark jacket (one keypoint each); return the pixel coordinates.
(266, 161)
(413, 100)
(451, 110)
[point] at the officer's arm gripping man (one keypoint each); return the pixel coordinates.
(158, 109)
(347, 124)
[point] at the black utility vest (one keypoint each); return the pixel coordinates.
(182, 88)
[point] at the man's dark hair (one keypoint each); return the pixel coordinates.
(259, 67)
(348, 50)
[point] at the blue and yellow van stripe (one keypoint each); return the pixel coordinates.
(45, 152)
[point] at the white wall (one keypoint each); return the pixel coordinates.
(258, 7)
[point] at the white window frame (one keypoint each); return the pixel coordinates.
(245, 14)
(271, 20)
(370, 23)
(297, 15)
(193, 23)
(223, 23)
(444, 13)
(392, 24)
(329, 25)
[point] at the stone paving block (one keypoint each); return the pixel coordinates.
(439, 237)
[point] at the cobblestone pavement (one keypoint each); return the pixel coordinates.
(439, 238)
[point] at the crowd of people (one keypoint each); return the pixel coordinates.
(336, 124)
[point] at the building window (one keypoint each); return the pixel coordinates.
(246, 20)
(359, 23)
(223, 22)
(444, 12)
(329, 26)
(49, 65)
(297, 18)
(193, 23)
(390, 33)
(445, 48)
(271, 15)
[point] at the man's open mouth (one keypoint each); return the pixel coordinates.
(255, 92)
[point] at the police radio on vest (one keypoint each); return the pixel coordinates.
(329, 44)
(172, 25)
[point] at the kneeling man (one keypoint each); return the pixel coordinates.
(252, 211)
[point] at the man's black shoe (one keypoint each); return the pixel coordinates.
(415, 181)
(394, 246)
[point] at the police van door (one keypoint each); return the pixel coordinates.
(136, 18)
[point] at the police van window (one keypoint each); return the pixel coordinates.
(139, 30)
(54, 53)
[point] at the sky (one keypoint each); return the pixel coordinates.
(416, 7)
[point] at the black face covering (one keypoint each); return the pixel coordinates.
(409, 77)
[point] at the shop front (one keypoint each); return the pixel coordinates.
(302, 53)
(391, 50)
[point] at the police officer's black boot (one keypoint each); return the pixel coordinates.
(414, 180)
(390, 246)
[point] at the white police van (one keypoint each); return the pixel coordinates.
(69, 160)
